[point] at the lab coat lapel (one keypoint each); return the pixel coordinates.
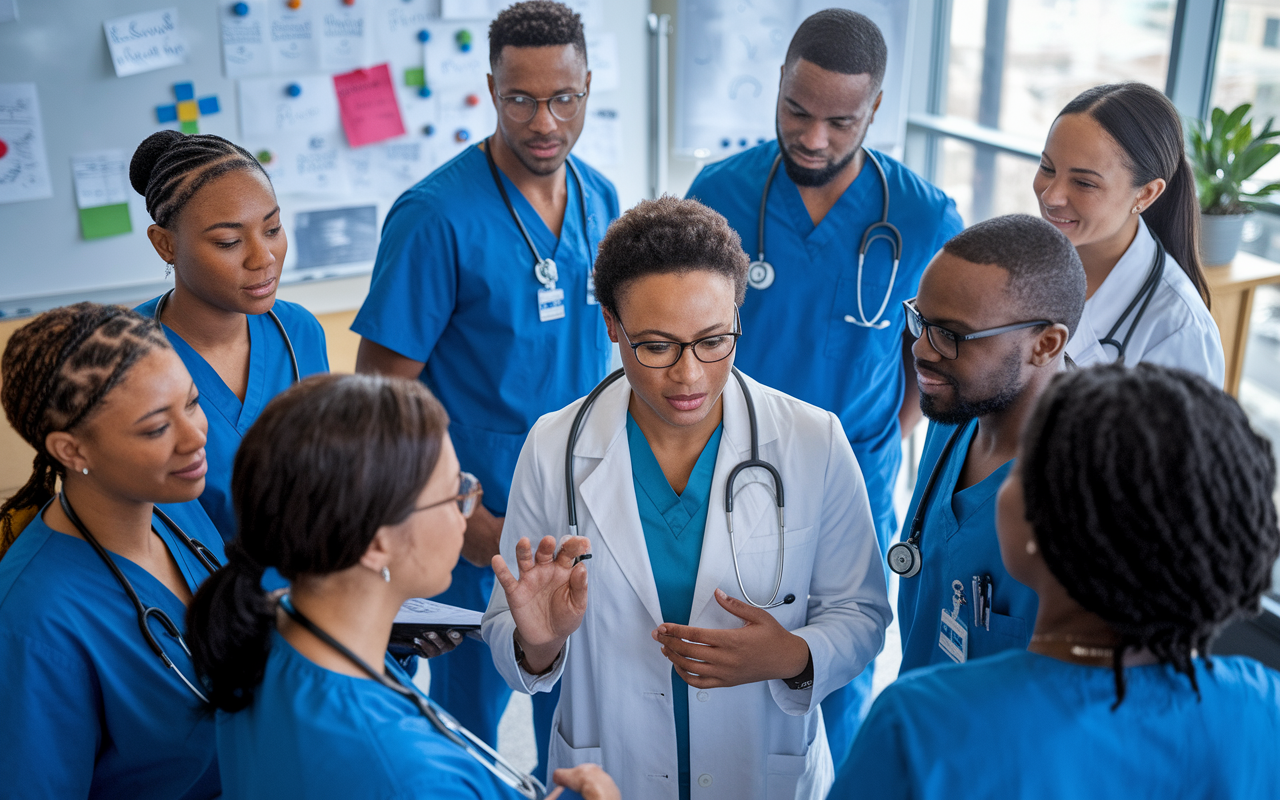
(752, 500)
(608, 493)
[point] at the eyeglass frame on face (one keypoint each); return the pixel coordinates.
(469, 491)
(635, 346)
(508, 107)
(914, 315)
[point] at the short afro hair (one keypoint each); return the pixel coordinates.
(1046, 278)
(664, 236)
(535, 23)
(843, 41)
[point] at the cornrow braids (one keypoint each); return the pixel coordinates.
(535, 23)
(55, 371)
(169, 167)
(1151, 501)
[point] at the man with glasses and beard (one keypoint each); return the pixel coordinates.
(828, 323)
(481, 290)
(992, 319)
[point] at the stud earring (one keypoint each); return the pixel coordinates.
(85, 470)
(1031, 547)
(1136, 210)
(386, 574)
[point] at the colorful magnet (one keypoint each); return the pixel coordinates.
(424, 35)
(240, 9)
(190, 128)
(424, 91)
(188, 111)
(294, 4)
(473, 100)
(293, 89)
(463, 38)
(208, 105)
(429, 130)
(167, 113)
(725, 142)
(264, 156)
(4, 148)
(461, 135)
(348, 2)
(184, 91)
(742, 142)
(415, 76)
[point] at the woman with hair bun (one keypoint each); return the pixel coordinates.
(1141, 512)
(348, 485)
(217, 226)
(1114, 178)
(100, 696)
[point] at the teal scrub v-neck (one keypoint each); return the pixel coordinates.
(673, 526)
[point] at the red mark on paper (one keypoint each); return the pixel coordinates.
(367, 104)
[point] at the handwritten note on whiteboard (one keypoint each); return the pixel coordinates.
(143, 42)
(24, 166)
(367, 102)
(245, 49)
(268, 110)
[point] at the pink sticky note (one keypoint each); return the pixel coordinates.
(367, 103)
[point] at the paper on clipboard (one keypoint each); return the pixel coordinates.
(418, 616)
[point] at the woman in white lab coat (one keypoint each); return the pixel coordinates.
(742, 722)
(1114, 178)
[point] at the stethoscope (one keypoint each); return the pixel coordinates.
(904, 557)
(760, 273)
(525, 784)
(1144, 296)
(293, 357)
(206, 558)
(754, 462)
(544, 269)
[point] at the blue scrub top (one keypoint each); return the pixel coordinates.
(794, 334)
(1026, 725)
(453, 287)
(88, 710)
(316, 734)
(959, 541)
(270, 373)
(673, 526)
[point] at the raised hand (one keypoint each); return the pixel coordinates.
(760, 650)
(549, 599)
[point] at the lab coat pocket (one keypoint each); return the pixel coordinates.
(783, 775)
(562, 755)
(764, 539)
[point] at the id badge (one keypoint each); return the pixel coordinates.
(953, 634)
(591, 294)
(550, 304)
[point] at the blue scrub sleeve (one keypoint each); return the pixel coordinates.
(877, 763)
(49, 731)
(414, 288)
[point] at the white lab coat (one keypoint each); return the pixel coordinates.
(1177, 329)
(753, 742)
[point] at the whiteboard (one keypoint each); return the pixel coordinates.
(60, 46)
(729, 54)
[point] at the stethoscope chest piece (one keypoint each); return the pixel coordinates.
(760, 274)
(545, 272)
(904, 559)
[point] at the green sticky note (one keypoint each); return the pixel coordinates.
(103, 221)
(191, 126)
(415, 76)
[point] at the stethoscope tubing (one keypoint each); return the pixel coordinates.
(1145, 294)
(288, 343)
(755, 462)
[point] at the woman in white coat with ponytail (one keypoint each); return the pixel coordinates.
(672, 674)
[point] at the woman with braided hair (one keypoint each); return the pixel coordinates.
(100, 696)
(217, 226)
(1141, 513)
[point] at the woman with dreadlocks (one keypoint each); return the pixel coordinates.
(1141, 513)
(217, 226)
(100, 696)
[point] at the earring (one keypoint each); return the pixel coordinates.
(85, 470)
(386, 574)
(1031, 547)
(168, 268)
(1136, 210)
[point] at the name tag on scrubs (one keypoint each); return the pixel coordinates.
(550, 304)
(591, 301)
(953, 634)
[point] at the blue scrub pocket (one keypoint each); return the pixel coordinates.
(846, 339)
(1007, 633)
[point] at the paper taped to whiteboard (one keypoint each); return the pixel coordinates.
(245, 51)
(101, 178)
(335, 236)
(143, 42)
(24, 166)
(271, 108)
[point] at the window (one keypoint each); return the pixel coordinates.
(1271, 36)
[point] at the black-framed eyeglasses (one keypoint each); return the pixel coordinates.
(660, 353)
(522, 107)
(469, 491)
(946, 342)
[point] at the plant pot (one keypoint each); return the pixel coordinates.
(1220, 237)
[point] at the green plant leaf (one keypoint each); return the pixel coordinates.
(1269, 189)
(1234, 119)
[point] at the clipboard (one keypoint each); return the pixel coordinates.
(420, 616)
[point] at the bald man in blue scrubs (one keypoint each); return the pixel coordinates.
(456, 302)
(827, 328)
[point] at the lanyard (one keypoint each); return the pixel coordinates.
(544, 269)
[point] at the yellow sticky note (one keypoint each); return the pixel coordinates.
(188, 111)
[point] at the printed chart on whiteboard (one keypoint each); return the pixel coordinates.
(728, 59)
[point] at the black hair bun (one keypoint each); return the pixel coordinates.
(146, 156)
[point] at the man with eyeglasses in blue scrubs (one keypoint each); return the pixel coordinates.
(835, 321)
(481, 289)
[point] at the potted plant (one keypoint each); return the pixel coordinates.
(1224, 154)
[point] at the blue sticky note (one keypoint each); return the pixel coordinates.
(208, 105)
(184, 91)
(166, 114)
